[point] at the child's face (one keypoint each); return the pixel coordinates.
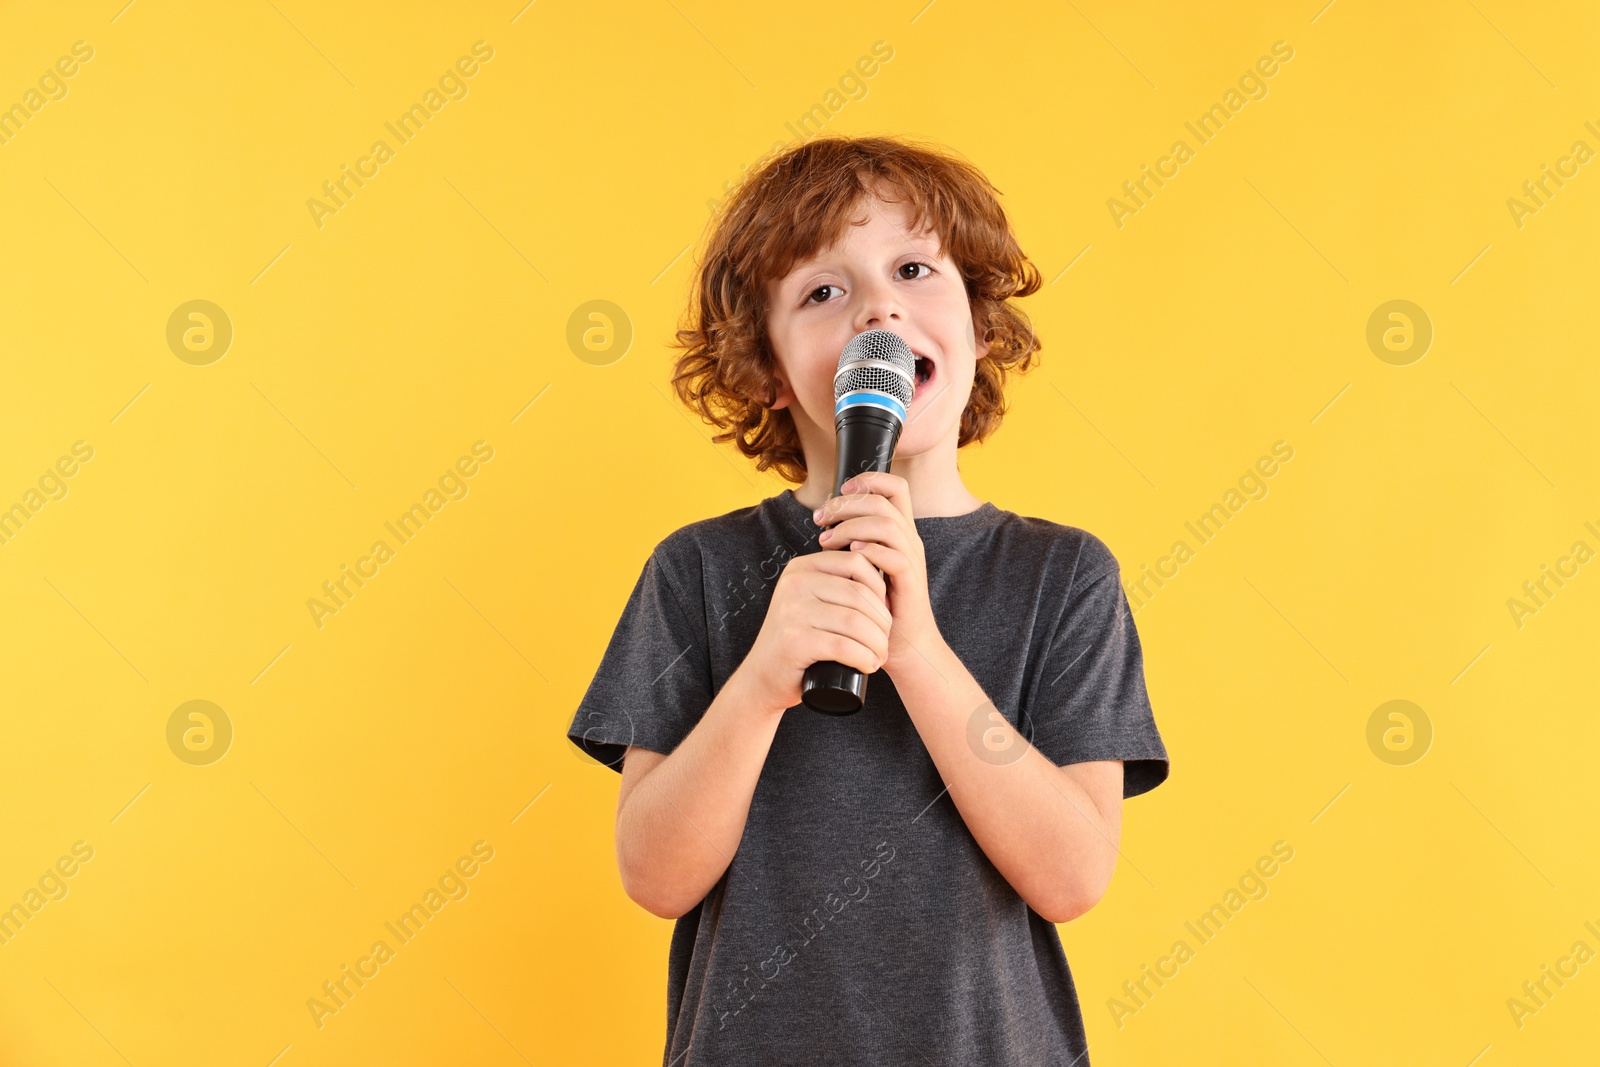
(878, 276)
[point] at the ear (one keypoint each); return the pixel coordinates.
(980, 346)
(782, 395)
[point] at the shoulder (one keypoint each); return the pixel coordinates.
(1084, 557)
(695, 539)
(713, 545)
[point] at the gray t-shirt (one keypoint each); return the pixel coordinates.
(859, 921)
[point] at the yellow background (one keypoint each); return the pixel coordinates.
(431, 311)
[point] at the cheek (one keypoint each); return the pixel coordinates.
(812, 387)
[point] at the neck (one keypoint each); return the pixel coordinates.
(933, 477)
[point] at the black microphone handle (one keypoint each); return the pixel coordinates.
(867, 438)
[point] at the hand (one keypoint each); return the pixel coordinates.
(872, 518)
(825, 606)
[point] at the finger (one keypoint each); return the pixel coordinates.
(891, 487)
(841, 564)
(891, 562)
(836, 508)
(847, 593)
(879, 528)
(866, 574)
(852, 654)
(874, 604)
(847, 622)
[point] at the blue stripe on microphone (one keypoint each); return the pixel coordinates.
(869, 398)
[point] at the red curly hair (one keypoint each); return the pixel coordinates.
(794, 206)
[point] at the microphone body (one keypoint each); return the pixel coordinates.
(872, 388)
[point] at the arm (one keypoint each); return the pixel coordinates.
(680, 817)
(1051, 831)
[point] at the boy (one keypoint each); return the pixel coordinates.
(882, 887)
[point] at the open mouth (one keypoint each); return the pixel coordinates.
(925, 374)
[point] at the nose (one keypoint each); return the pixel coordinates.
(879, 306)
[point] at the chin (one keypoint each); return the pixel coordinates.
(922, 436)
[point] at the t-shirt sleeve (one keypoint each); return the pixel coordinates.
(1089, 700)
(654, 680)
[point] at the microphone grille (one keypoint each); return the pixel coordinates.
(876, 360)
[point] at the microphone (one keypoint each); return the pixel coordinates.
(871, 390)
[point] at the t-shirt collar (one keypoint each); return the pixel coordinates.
(793, 511)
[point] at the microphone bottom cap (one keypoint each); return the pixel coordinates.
(833, 688)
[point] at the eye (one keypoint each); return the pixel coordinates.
(817, 290)
(917, 263)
